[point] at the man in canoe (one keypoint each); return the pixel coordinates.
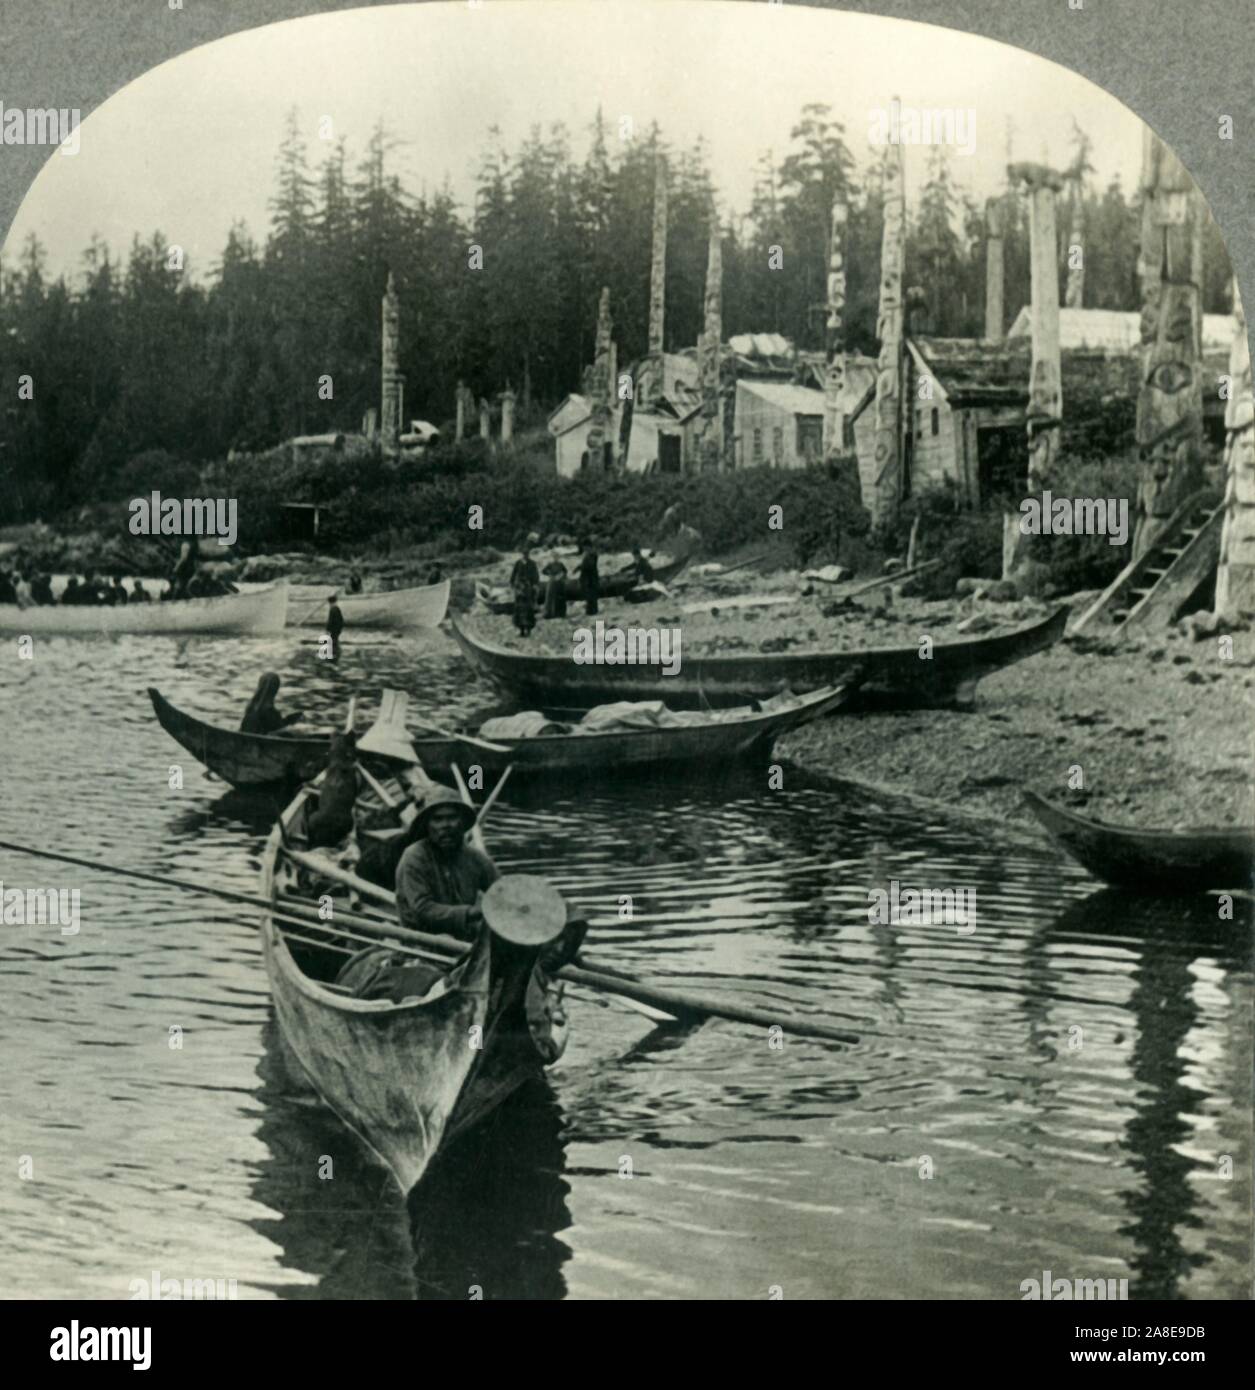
(139, 594)
(261, 717)
(440, 877)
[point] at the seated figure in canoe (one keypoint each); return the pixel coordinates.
(261, 716)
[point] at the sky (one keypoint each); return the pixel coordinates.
(190, 147)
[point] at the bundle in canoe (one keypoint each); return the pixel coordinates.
(405, 1077)
(888, 675)
(254, 762)
(611, 585)
(254, 612)
(1151, 861)
(422, 607)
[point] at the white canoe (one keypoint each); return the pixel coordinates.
(423, 607)
(259, 611)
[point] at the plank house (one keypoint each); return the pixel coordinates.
(662, 436)
(568, 424)
(777, 424)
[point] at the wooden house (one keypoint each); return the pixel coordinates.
(777, 424)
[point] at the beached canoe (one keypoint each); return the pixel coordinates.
(253, 613)
(1151, 861)
(612, 586)
(898, 676)
(422, 607)
(257, 762)
(406, 1077)
(723, 737)
(250, 762)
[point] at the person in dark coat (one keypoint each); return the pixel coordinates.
(355, 580)
(641, 568)
(261, 717)
(335, 624)
(8, 590)
(555, 573)
(117, 591)
(525, 583)
(590, 579)
(139, 594)
(41, 589)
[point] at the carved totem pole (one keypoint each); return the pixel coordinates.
(834, 380)
(1235, 579)
(653, 377)
(1170, 402)
(1045, 382)
(390, 412)
(601, 386)
(1074, 296)
(710, 450)
(886, 490)
(994, 271)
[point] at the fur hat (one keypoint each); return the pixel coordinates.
(439, 799)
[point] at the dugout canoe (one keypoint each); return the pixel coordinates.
(404, 1077)
(1151, 861)
(714, 743)
(896, 676)
(254, 613)
(422, 607)
(250, 762)
(612, 586)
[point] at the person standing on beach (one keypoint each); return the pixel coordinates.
(590, 579)
(335, 625)
(525, 583)
(555, 573)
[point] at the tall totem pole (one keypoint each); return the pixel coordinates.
(1045, 382)
(709, 354)
(393, 381)
(886, 490)
(1235, 579)
(994, 271)
(657, 287)
(1074, 296)
(601, 386)
(1170, 402)
(834, 380)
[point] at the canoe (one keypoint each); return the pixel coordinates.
(1151, 861)
(247, 761)
(422, 607)
(256, 762)
(404, 1077)
(714, 743)
(253, 613)
(896, 676)
(612, 586)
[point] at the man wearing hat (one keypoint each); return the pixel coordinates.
(440, 877)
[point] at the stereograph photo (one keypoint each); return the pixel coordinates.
(626, 673)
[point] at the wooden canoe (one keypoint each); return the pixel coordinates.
(256, 762)
(422, 607)
(405, 1077)
(250, 762)
(254, 612)
(612, 586)
(1151, 861)
(889, 675)
(732, 735)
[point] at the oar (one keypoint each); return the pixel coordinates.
(625, 986)
(461, 738)
(672, 1001)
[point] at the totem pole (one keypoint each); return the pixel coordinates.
(657, 288)
(390, 412)
(834, 379)
(994, 271)
(1074, 296)
(600, 386)
(1235, 578)
(710, 451)
(1045, 382)
(886, 489)
(507, 416)
(1170, 402)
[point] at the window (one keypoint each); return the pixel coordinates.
(777, 446)
(810, 437)
(758, 446)
(936, 429)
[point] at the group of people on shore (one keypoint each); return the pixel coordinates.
(28, 587)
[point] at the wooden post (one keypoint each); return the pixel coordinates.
(994, 271)
(1075, 295)
(834, 380)
(601, 386)
(1235, 577)
(710, 452)
(507, 416)
(460, 406)
(657, 286)
(886, 491)
(485, 419)
(1045, 383)
(1170, 403)
(390, 412)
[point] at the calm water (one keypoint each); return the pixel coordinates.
(751, 1167)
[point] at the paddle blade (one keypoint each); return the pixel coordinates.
(387, 736)
(524, 909)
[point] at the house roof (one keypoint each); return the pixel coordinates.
(761, 345)
(797, 400)
(578, 410)
(1118, 329)
(975, 371)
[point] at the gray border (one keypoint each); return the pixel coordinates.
(1179, 64)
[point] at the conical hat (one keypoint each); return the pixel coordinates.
(525, 909)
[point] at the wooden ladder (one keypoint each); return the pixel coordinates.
(1152, 590)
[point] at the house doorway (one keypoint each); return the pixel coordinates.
(1002, 460)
